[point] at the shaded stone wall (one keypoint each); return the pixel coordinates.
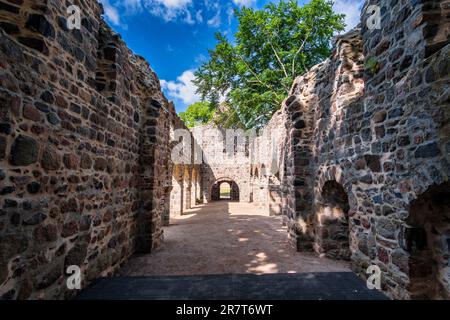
(319, 132)
(374, 119)
(84, 149)
(407, 97)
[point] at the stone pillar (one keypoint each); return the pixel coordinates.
(187, 187)
(149, 231)
(299, 180)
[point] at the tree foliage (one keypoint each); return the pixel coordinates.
(197, 114)
(271, 48)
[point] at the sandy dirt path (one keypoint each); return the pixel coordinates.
(227, 238)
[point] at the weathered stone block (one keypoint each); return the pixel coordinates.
(51, 277)
(71, 161)
(100, 164)
(86, 161)
(39, 23)
(70, 205)
(47, 233)
(34, 43)
(386, 228)
(428, 151)
(30, 112)
(53, 118)
(51, 160)
(24, 151)
(69, 229)
(3, 146)
(35, 219)
(76, 255)
(373, 162)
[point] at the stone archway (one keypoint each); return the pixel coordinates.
(426, 238)
(332, 221)
(234, 190)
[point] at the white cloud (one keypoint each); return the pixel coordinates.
(230, 15)
(187, 11)
(173, 4)
(244, 3)
(352, 11)
(170, 10)
(200, 59)
(132, 5)
(198, 16)
(188, 18)
(216, 20)
(210, 4)
(111, 13)
(183, 88)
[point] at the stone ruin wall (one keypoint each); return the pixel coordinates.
(220, 165)
(184, 182)
(254, 163)
(412, 105)
(268, 151)
(363, 135)
(316, 110)
(84, 149)
(86, 176)
(380, 137)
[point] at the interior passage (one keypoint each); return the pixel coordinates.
(227, 238)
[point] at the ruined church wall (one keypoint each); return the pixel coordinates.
(255, 162)
(320, 104)
(407, 98)
(220, 165)
(374, 118)
(84, 149)
(185, 183)
(267, 165)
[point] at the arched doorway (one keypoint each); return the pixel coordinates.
(225, 189)
(332, 229)
(427, 240)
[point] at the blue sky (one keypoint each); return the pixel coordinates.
(175, 35)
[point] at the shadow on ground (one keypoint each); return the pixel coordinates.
(227, 238)
(306, 286)
(229, 250)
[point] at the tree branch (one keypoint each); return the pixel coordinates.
(296, 54)
(279, 60)
(302, 46)
(254, 73)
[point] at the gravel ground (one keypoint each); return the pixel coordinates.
(227, 238)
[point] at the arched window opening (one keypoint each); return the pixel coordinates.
(427, 239)
(332, 221)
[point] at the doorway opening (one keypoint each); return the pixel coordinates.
(225, 190)
(427, 240)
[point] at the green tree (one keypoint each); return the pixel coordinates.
(271, 48)
(197, 114)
